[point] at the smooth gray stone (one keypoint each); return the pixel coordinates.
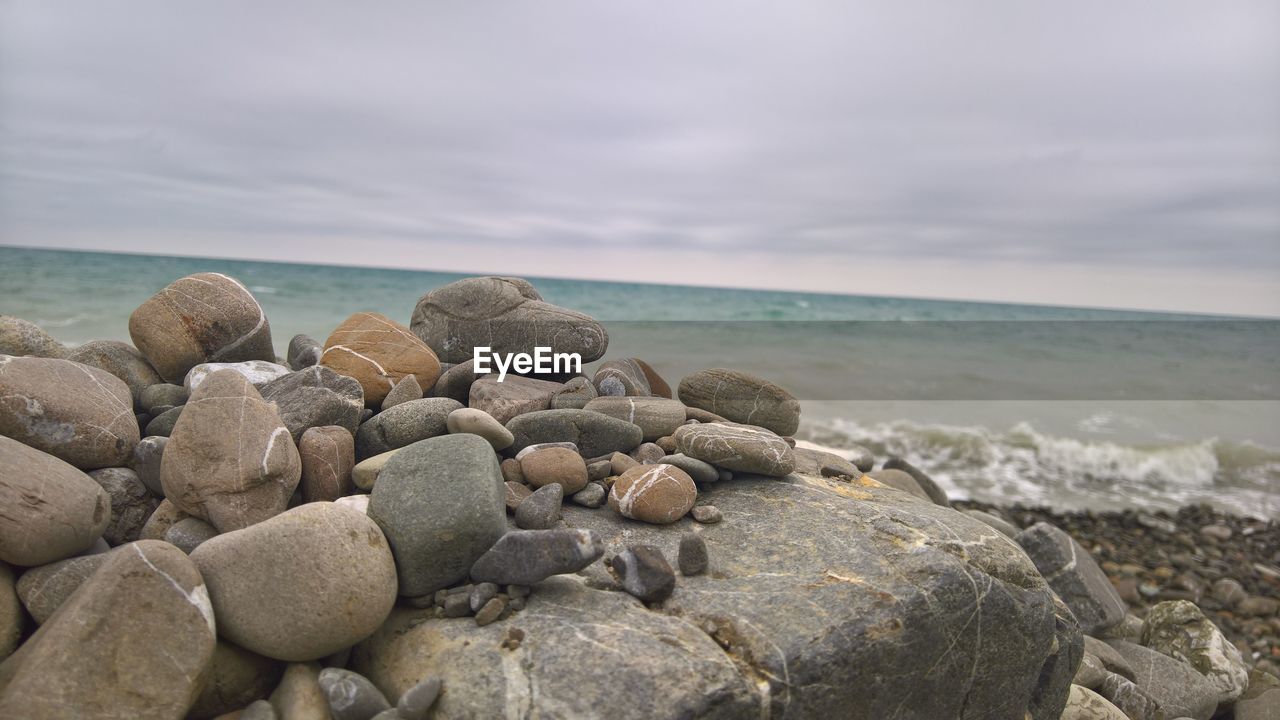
(701, 472)
(455, 382)
(740, 448)
(692, 557)
(315, 397)
(405, 390)
(441, 502)
(480, 594)
(188, 533)
(657, 417)
(575, 394)
(524, 557)
(162, 394)
(1130, 699)
(949, 619)
(1177, 686)
(505, 314)
(147, 455)
(403, 425)
(592, 496)
(351, 696)
(926, 483)
(742, 398)
(824, 464)
(162, 424)
(541, 510)
(594, 434)
(1075, 576)
(304, 352)
(43, 589)
(122, 360)
(417, 700)
(644, 573)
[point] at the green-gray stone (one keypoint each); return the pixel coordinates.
(441, 503)
(594, 433)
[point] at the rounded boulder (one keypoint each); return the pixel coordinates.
(301, 585)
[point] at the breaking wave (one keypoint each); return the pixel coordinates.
(1023, 465)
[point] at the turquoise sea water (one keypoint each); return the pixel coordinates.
(1004, 403)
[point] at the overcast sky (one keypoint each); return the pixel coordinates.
(1105, 153)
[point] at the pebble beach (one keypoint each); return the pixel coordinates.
(192, 526)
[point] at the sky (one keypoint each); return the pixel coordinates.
(1100, 153)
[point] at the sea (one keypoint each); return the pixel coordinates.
(1065, 408)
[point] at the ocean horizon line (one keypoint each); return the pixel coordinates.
(736, 288)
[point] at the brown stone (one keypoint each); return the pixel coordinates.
(48, 509)
(299, 697)
(513, 396)
(230, 460)
(516, 493)
(78, 413)
(657, 386)
(206, 317)
(165, 516)
(122, 360)
(511, 471)
(105, 656)
(236, 678)
(20, 337)
(328, 454)
(11, 617)
(555, 465)
(379, 352)
(658, 494)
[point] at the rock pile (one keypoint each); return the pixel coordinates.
(361, 531)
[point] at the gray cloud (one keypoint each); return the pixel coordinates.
(1141, 133)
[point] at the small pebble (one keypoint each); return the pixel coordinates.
(540, 510)
(514, 637)
(622, 462)
(422, 601)
(516, 494)
(518, 591)
(457, 605)
(351, 696)
(707, 514)
(404, 391)
(599, 470)
(417, 700)
(648, 453)
(692, 557)
(511, 471)
(490, 611)
(667, 443)
(482, 593)
(644, 573)
(591, 496)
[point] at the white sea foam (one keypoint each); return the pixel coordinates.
(1024, 465)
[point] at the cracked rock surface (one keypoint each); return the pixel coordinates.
(821, 599)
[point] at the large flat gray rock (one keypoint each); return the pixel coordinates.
(822, 599)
